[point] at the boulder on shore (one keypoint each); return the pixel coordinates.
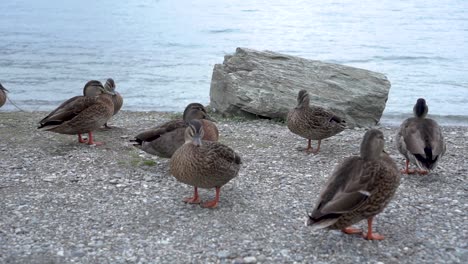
(266, 84)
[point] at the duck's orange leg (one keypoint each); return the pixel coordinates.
(370, 235)
(195, 199)
(213, 203)
(81, 140)
(318, 147)
(309, 148)
(91, 142)
(406, 170)
(351, 230)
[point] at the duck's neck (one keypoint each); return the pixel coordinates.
(106, 96)
(92, 91)
(420, 109)
(371, 151)
(303, 103)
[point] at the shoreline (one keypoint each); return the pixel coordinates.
(393, 120)
(67, 202)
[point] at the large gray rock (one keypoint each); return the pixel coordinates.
(265, 84)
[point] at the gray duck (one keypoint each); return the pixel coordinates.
(81, 114)
(165, 139)
(313, 122)
(117, 99)
(203, 164)
(3, 95)
(420, 140)
(359, 188)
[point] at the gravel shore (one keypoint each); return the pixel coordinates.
(64, 202)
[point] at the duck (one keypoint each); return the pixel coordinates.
(165, 139)
(117, 99)
(203, 164)
(81, 114)
(359, 188)
(313, 122)
(3, 95)
(420, 140)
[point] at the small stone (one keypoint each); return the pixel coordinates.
(113, 181)
(148, 178)
(20, 231)
(285, 252)
(50, 179)
(223, 254)
(250, 259)
(238, 261)
(261, 258)
(78, 253)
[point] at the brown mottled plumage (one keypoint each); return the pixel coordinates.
(360, 188)
(81, 114)
(203, 164)
(313, 122)
(117, 99)
(165, 139)
(3, 95)
(420, 140)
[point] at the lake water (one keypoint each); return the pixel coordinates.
(161, 53)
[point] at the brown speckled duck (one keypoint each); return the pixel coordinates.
(360, 188)
(81, 114)
(313, 122)
(203, 164)
(117, 99)
(165, 139)
(420, 140)
(3, 95)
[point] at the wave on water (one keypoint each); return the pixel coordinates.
(226, 30)
(394, 58)
(443, 120)
(412, 58)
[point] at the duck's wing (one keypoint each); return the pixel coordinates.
(422, 137)
(413, 136)
(346, 190)
(156, 132)
(433, 132)
(322, 117)
(68, 110)
(223, 152)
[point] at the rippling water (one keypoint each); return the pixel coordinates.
(161, 53)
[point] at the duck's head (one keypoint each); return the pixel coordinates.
(194, 133)
(3, 88)
(194, 106)
(420, 109)
(196, 114)
(372, 144)
(93, 88)
(303, 99)
(110, 85)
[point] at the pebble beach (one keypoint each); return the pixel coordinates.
(65, 202)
